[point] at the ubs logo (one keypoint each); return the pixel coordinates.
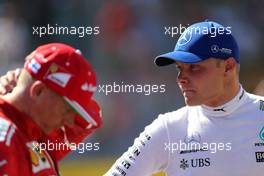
(195, 163)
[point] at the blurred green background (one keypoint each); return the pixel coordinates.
(89, 167)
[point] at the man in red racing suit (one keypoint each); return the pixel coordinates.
(22, 131)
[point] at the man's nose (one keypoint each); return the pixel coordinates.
(70, 119)
(182, 77)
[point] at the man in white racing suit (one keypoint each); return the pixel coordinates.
(220, 131)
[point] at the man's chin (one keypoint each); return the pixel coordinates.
(191, 102)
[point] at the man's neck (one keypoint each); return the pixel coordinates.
(228, 94)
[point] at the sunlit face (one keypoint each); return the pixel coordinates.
(201, 83)
(54, 111)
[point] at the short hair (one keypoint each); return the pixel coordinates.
(218, 64)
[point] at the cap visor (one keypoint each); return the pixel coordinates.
(181, 56)
(81, 111)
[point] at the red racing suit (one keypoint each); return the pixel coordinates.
(20, 137)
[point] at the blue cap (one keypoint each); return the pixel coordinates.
(202, 41)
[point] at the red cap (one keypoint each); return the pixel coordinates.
(65, 71)
(78, 132)
(94, 110)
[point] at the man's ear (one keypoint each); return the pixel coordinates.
(230, 65)
(37, 89)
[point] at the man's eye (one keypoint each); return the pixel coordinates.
(195, 67)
